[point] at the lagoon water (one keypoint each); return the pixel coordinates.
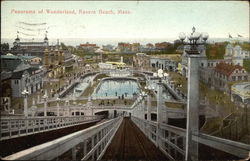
(116, 88)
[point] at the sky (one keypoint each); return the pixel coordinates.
(144, 19)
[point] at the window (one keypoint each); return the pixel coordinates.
(16, 81)
(239, 78)
(233, 77)
(245, 77)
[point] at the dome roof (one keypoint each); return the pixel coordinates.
(99, 51)
(229, 46)
(237, 47)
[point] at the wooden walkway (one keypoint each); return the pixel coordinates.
(129, 143)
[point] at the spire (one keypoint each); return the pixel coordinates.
(17, 37)
(193, 29)
(46, 38)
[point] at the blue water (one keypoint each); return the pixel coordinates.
(116, 88)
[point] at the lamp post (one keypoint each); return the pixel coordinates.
(67, 106)
(58, 106)
(38, 97)
(194, 43)
(45, 98)
(160, 75)
(74, 103)
(135, 111)
(166, 76)
(149, 88)
(25, 93)
(143, 95)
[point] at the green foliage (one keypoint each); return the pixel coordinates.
(81, 52)
(5, 46)
(215, 51)
(246, 65)
(170, 49)
(64, 47)
(245, 45)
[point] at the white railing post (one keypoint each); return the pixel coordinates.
(92, 146)
(149, 107)
(58, 106)
(192, 107)
(74, 153)
(19, 127)
(159, 103)
(26, 125)
(85, 147)
(143, 108)
(175, 142)
(26, 105)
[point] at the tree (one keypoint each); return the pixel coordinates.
(5, 47)
(246, 65)
(64, 47)
(177, 43)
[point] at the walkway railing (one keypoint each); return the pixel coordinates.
(174, 91)
(171, 140)
(165, 137)
(16, 127)
(87, 144)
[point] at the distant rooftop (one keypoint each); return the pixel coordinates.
(31, 70)
(16, 57)
(227, 69)
(242, 88)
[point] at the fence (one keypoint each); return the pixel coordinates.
(236, 127)
(171, 140)
(16, 127)
(86, 144)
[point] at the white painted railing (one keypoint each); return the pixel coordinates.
(16, 127)
(171, 140)
(87, 144)
(165, 137)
